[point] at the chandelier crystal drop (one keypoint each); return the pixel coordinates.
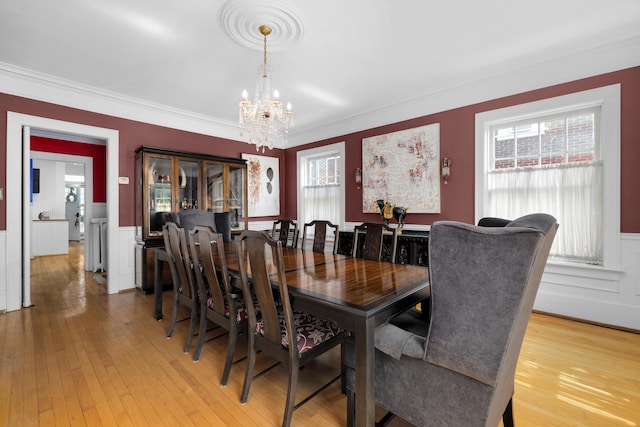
(264, 119)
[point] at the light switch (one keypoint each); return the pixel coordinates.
(123, 180)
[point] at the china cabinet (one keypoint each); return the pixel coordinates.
(168, 182)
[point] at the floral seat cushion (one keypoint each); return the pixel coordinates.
(241, 306)
(311, 330)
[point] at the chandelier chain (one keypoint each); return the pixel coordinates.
(264, 68)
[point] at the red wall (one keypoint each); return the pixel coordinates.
(97, 152)
(457, 141)
(132, 134)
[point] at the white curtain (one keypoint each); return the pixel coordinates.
(322, 202)
(570, 192)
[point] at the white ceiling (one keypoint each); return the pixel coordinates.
(335, 60)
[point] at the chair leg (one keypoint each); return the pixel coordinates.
(385, 420)
(192, 326)
(351, 407)
(251, 361)
(201, 332)
(231, 350)
(174, 316)
(343, 371)
(294, 370)
(507, 415)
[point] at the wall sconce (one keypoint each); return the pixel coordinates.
(358, 177)
(446, 169)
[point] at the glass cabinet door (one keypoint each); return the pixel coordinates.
(160, 195)
(225, 192)
(188, 184)
(215, 187)
(237, 206)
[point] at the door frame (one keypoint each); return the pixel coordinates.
(18, 152)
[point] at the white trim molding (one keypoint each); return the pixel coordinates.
(302, 157)
(3, 267)
(17, 202)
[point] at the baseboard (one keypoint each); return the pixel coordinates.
(589, 322)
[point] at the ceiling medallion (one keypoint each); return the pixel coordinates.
(241, 18)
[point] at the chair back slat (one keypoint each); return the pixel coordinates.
(202, 242)
(319, 237)
(179, 255)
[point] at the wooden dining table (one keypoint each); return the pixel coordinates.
(357, 294)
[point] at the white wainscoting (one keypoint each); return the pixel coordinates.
(127, 242)
(611, 297)
(3, 269)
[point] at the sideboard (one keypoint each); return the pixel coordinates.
(412, 247)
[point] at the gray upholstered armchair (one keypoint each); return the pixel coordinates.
(457, 368)
(189, 218)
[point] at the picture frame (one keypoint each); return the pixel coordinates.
(403, 168)
(263, 185)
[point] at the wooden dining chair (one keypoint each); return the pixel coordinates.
(285, 230)
(320, 235)
(374, 233)
(220, 303)
(184, 292)
(291, 337)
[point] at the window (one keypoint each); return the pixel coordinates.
(566, 139)
(559, 156)
(323, 170)
(551, 164)
(321, 186)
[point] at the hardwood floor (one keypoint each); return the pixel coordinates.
(82, 357)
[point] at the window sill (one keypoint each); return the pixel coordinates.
(583, 270)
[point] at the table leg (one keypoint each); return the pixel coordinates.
(157, 283)
(365, 372)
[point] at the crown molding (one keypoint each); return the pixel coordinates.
(43, 87)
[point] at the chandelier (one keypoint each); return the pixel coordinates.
(264, 119)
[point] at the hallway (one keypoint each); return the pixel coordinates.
(66, 274)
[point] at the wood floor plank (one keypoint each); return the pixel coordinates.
(82, 357)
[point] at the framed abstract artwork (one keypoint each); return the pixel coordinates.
(263, 174)
(403, 168)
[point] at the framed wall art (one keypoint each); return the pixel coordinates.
(403, 168)
(263, 185)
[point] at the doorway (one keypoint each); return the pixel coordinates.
(18, 149)
(55, 206)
